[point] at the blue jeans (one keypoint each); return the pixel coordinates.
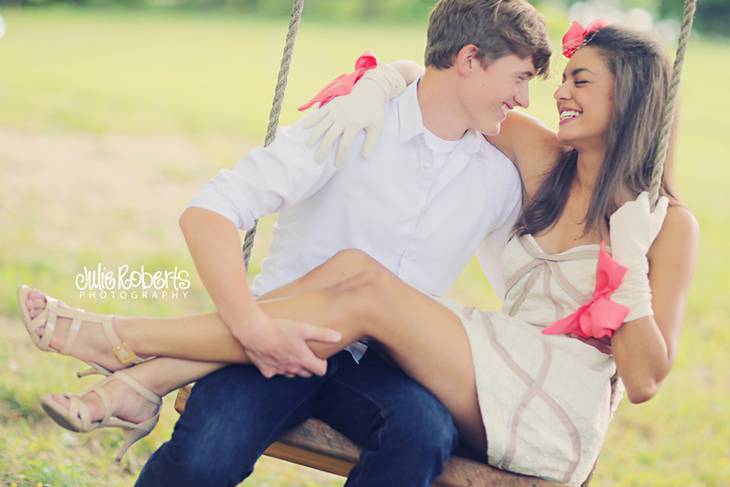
(235, 413)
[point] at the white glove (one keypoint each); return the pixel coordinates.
(633, 229)
(363, 108)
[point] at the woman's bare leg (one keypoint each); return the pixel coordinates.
(425, 339)
(417, 331)
(163, 375)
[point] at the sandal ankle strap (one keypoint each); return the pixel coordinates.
(120, 349)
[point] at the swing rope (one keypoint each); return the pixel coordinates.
(668, 114)
(296, 17)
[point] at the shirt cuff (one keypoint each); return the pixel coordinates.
(357, 350)
(211, 199)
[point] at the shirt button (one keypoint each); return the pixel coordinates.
(428, 165)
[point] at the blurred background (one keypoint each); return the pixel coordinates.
(114, 113)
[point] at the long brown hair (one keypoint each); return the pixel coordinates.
(641, 83)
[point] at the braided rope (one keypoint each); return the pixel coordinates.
(668, 113)
(296, 16)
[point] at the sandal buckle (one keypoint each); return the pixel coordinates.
(124, 354)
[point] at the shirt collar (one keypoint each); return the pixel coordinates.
(411, 121)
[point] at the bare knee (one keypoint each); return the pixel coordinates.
(367, 295)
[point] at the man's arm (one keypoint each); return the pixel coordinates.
(265, 181)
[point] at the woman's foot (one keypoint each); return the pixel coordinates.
(91, 343)
(122, 400)
(125, 403)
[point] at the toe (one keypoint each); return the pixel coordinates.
(35, 308)
(61, 399)
(36, 303)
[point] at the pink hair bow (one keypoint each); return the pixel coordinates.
(600, 317)
(342, 85)
(577, 35)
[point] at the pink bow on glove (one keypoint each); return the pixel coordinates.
(577, 35)
(342, 85)
(600, 317)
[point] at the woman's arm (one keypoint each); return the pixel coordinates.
(645, 349)
(531, 145)
(410, 70)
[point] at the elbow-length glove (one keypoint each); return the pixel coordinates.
(633, 229)
(363, 108)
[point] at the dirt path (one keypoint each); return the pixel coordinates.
(72, 190)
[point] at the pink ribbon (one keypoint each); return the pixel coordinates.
(342, 85)
(600, 317)
(577, 35)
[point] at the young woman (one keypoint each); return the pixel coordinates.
(530, 387)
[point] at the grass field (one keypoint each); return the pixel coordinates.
(110, 121)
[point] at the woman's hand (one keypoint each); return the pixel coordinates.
(633, 229)
(363, 108)
(279, 346)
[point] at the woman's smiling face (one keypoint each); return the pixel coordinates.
(585, 99)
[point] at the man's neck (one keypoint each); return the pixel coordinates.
(442, 115)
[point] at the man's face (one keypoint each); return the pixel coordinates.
(488, 94)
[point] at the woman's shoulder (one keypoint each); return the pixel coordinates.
(680, 219)
(522, 135)
(679, 234)
(532, 146)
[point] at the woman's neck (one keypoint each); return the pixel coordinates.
(588, 167)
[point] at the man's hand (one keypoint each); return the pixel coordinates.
(278, 346)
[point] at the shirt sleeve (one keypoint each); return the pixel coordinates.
(490, 250)
(267, 179)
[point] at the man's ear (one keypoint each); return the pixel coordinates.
(467, 59)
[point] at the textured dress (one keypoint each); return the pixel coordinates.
(545, 400)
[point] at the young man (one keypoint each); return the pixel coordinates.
(432, 191)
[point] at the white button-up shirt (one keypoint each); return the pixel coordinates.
(420, 205)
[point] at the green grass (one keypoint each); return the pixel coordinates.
(188, 93)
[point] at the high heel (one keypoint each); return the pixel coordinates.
(94, 369)
(58, 309)
(77, 417)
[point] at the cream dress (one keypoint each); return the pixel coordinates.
(545, 400)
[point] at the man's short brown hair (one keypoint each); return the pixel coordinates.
(497, 27)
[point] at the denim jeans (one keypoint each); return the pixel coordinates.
(234, 414)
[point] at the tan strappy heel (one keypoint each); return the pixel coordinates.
(58, 309)
(77, 417)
